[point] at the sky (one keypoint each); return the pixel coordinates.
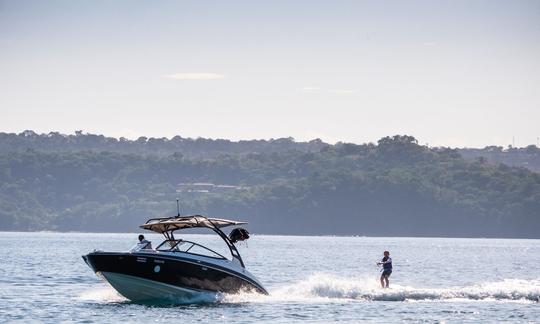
(451, 73)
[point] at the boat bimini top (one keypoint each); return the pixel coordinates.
(168, 225)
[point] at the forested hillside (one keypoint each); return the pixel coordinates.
(527, 157)
(395, 187)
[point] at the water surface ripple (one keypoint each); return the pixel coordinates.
(313, 279)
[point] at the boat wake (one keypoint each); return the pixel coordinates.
(328, 288)
(102, 295)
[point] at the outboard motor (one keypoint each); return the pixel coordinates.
(238, 234)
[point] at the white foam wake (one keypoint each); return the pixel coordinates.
(102, 295)
(328, 288)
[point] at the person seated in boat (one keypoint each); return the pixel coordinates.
(386, 262)
(144, 244)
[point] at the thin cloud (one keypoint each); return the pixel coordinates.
(343, 91)
(195, 76)
(311, 89)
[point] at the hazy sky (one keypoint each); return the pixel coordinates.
(457, 73)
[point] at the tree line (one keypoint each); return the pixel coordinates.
(198, 147)
(528, 157)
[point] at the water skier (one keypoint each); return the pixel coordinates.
(386, 262)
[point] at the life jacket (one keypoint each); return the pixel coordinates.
(387, 266)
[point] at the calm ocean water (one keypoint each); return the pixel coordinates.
(313, 279)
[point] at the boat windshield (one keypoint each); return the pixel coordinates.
(141, 247)
(188, 247)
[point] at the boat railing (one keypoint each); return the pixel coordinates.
(190, 247)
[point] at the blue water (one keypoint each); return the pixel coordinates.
(314, 279)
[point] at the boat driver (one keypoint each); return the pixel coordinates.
(144, 243)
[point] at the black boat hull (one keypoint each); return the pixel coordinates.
(148, 276)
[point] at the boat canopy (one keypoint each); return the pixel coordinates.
(163, 225)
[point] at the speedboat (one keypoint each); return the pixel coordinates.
(177, 270)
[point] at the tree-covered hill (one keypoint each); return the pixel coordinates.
(396, 188)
